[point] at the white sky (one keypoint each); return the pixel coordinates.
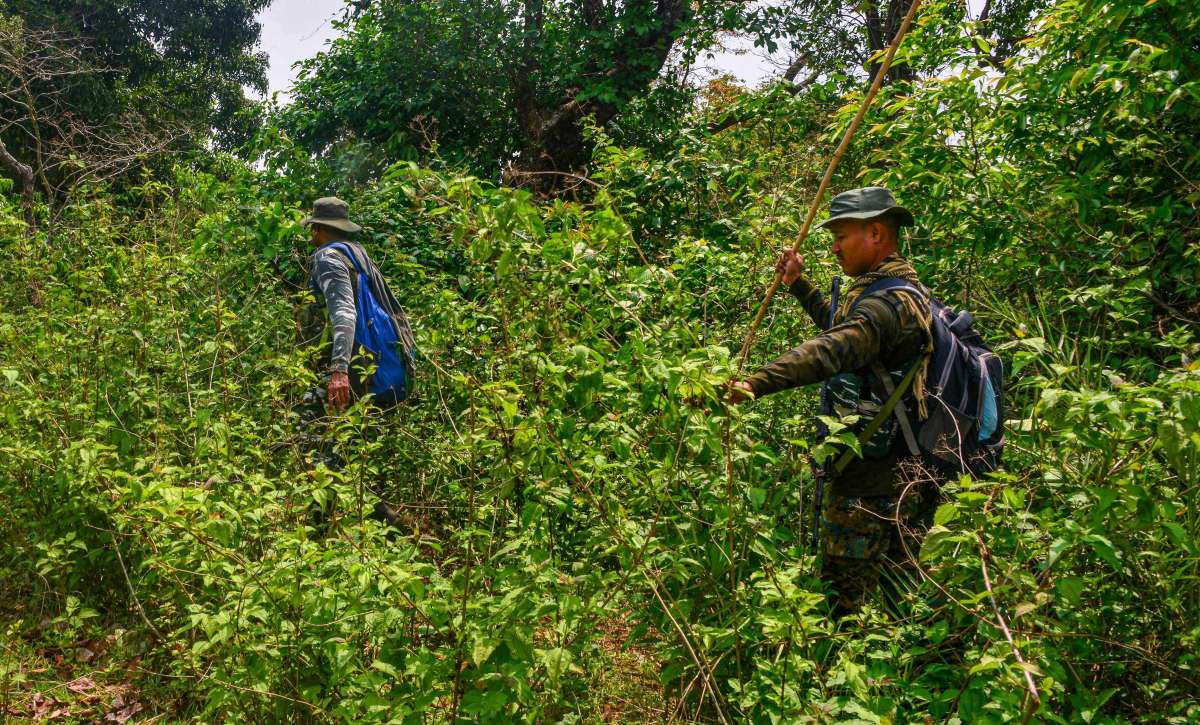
(293, 30)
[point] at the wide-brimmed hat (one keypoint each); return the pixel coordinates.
(867, 203)
(332, 212)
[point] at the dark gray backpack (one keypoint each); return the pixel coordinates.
(964, 394)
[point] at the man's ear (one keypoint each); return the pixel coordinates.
(877, 234)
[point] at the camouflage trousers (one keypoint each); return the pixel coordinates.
(866, 539)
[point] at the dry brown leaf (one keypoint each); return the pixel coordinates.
(120, 716)
(81, 685)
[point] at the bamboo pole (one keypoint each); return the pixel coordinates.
(833, 163)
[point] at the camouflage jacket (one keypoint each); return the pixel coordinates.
(885, 327)
(332, 284)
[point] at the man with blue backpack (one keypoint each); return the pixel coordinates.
(364, 315)
(369, 341)
(922, 387)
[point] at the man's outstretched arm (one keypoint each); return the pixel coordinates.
(878, 326)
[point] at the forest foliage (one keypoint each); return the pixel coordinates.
(590, 533)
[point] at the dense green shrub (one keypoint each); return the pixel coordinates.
(575, 495)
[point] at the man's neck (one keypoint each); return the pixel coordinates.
(890, 257)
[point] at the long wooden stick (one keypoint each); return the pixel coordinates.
(833, 163)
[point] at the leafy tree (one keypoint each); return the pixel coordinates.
(833, 38)
(186, 61)
(496, 85)
(841, 46)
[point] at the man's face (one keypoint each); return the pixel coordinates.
(318, 234)
(857, 245)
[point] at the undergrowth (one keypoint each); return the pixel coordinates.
(589, 533)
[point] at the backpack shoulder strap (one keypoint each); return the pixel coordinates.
(885, 378)
(888, 407)
(348, 253)
(350, 261)
(883, 284)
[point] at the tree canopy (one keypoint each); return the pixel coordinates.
(183, 61)
(499, 85)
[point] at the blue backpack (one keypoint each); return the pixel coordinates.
(964, 393)
(378, 332)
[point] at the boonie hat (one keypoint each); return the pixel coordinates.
(332, 212)
(867, 203)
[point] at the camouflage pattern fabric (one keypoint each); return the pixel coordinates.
(332, 283)
(854, 394)
(862, 537)
(886, 327)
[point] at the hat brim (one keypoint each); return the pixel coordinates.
(904, 216)
(343, 224)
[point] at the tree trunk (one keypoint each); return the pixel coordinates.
(525, 79)
(554, 145)
(881, 28)
(24, 174)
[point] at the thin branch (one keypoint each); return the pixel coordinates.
(987, 582)
(791, 88)
(24, 174)
(132, 592)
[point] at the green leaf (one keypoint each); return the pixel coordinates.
(481, 649)
(556, 661)
(1014, 497)
(386, 668)
(1104, 548)
(1179, 536)
(938, 631)
(945, 513)
(1070, 589)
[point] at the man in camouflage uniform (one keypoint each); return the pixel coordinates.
(875, 510)
(332, 280)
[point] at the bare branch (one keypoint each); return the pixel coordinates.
(62, 149)
(24, 174)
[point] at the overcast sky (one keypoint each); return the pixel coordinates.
(293, 30)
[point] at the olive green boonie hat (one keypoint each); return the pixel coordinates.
(332, 212)
(867, 203)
